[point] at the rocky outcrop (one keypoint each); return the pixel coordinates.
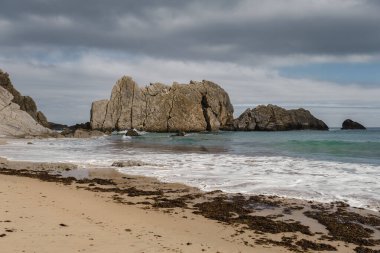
(351, 125)
(16, 122)
(26, 103)
(78, 131)
(83, 133)
(129, 163)
(193, 107)
(132, 133)
(179, 134)
(275, 118)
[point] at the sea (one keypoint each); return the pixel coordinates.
(334, 165)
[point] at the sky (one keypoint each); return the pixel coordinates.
(322, 55)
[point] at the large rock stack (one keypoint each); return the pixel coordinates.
(197, 106)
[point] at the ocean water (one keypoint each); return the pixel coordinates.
(315, 165)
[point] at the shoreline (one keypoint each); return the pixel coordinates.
(248, 171)
(84, 168)
(252, 222)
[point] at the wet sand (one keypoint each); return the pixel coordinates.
(58, 207)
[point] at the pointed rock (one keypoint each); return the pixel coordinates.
(352, 125)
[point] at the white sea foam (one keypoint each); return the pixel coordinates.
(357, 184)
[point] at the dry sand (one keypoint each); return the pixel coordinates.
(48, 217)
(111, 212)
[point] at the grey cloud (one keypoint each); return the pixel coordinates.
(212, 30)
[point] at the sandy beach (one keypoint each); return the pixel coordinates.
(57, 207)
(46, 216)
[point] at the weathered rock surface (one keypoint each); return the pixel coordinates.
(198, 106)
(16, 122)
(351, 125)
(275, 118)
(26, 103)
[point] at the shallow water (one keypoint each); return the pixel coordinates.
(318, 165)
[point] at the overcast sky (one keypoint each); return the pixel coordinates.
(323, 55)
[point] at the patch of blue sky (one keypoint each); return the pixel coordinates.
(367, 74)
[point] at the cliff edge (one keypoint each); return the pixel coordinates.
(26, 103)
(16, 122)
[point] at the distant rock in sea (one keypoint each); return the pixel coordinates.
(193, 107)
(85, 126)
(26, 103)
(351, 125)
(16, 122)
(57, 126)
(275, 118)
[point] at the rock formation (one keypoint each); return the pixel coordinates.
(275, 118)
(26, 103)
(198, 106)
(16, 122)
(350, 125)
(82, 130)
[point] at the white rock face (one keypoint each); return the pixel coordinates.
(15, 122)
